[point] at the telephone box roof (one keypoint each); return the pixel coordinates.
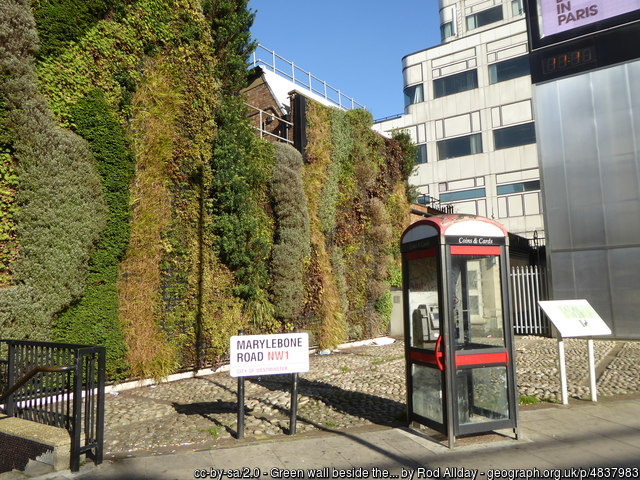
(447, 225)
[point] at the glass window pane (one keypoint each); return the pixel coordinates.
(421, 154)
(518, 187)
(463, 195)
(508, 69)
(446, 30)
(452, 84)
(482, 395)
(485, 17)
(459, 146)
(477, 301)
(413, 94)
(471, 22)
(427, 392)
(516, 7)
(514, 136)
(423, 300)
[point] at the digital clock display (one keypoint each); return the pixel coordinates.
(568, 60)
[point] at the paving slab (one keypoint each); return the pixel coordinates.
(579, 443)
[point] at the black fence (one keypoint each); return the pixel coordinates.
(60, 385)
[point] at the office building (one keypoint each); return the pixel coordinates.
(468, 108)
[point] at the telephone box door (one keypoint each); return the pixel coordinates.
(425, 361)
(482, 378)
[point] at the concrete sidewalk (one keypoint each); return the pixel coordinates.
(579, 436)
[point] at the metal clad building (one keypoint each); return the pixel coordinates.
(587, 106)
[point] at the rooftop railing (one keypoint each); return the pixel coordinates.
(269, 59)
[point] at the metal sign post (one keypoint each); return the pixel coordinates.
(240, 419)
(293, 410)
(575, 318)
(258, 355)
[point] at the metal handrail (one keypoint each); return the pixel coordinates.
(307, 80)
(29, 376)
(389, 117)
(261, 128)
(71, 397)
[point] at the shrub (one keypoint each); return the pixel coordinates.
(291, 246)
(63, 21)
(93, 319)
(61, 210)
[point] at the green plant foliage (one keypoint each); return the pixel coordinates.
(383, 306)
(109, 55)
(409, 151)
(361, 212)
(239, 179)
(212, 234)
(240, 169)
(323, 312)
(337, 171)
(8, 184)
(230, 23)
(94, 318)
(63, 21)
(61, 210)
(156, 104)
(291, 247)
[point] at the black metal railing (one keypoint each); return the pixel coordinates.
(60, 385)
(429, 201)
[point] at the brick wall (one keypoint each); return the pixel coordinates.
(15, 452)
(259, 96)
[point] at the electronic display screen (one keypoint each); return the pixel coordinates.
(558, 16)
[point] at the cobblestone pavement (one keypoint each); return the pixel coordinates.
(353, 387)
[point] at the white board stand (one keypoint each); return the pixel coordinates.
(575, 318)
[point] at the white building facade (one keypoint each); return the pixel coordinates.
(468, 108)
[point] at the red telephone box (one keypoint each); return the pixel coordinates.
(458, 334)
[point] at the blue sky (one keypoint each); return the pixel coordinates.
(354, 45)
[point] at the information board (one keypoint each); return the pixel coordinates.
(252, 355)
(575, 318)
(562, 15)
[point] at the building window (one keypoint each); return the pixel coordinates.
(414, 94)
(446, 30)
(508, 69)
(425, 199)
(516, 7)
(459, 82)
(460, 146)
(421, 154)
(485, 17)
(463, 195)
(519, 187)
(514, 136)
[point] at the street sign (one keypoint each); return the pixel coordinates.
(575, 318)
(252, 355)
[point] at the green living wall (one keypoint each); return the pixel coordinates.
(140, 211)
(355, 181)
